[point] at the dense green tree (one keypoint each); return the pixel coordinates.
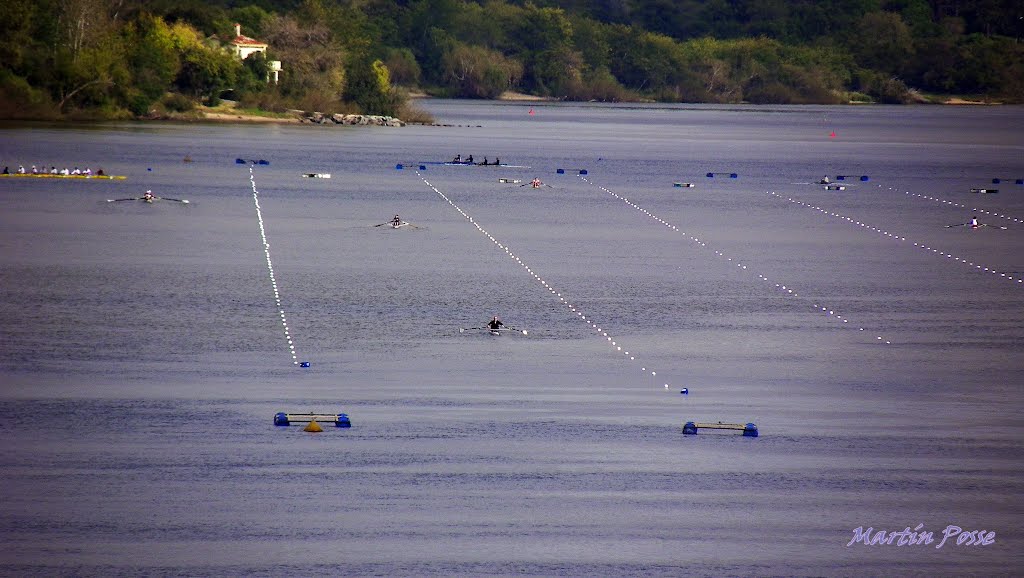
(153, 60)
(883, 42)
(477, 72)
(368, 86)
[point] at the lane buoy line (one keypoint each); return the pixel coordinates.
(959, 205)
(554, 292)
(270, 267)
(785, 289)
(896, 237)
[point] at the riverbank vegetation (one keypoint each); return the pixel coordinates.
(157, 58)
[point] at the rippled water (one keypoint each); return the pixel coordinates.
(142, 356)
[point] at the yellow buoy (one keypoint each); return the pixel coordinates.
(313, 426)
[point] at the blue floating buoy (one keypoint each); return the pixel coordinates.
(150, 169)
(239, 162)
(560, 171)
(996, 181)
(423, 167)
(304, 364)
(733, 175)
(263, 162)
(690, 428)
(342, 420)
(863, 178)
(399, 167)
(583, 171)
(1019, 182)
(684, 391)
(281, 418)
(750, 430)
(711, 175)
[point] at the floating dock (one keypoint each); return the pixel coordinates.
(339, 419)
(989, 191)
(748, 429)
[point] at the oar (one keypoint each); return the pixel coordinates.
(956, 225)
(461, 329)
(185, 201)
(129, 199)
(523, 331)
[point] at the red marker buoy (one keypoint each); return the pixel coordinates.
(531, 110)
(832, 134)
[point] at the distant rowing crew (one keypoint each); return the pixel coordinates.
(975, 224)
(494, 327)
(52, 172)
(149, 197)
(397, 223)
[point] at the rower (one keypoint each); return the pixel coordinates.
(497, 161)
(457, 159)
(21, 169)
(974, 222)
(148, 197)
(824, 180)
(469, 159)
(396, 222)
(485, 162)
(535, 183)
(494, 324)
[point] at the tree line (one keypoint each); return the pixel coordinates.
(134, 58)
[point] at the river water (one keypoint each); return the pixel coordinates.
(879, 351)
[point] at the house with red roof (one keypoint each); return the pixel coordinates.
(243, 47)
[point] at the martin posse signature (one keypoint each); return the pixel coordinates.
(916, 537)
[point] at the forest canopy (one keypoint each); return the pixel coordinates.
(129, 58)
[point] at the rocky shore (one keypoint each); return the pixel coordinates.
(350, 119)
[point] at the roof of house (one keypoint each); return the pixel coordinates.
(242, 40)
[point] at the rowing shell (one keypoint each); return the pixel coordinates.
(52, 176)
(149, 200)
(317, 175)
(465, 164)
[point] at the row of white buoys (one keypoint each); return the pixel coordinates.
(785, 289)
(270, 268)
(896, 237)
(960, 205)
(561, 298)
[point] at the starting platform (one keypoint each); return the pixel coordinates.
(339, 419)
(748, 429)
(988, 191)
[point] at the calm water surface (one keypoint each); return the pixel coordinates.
(142, 355)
